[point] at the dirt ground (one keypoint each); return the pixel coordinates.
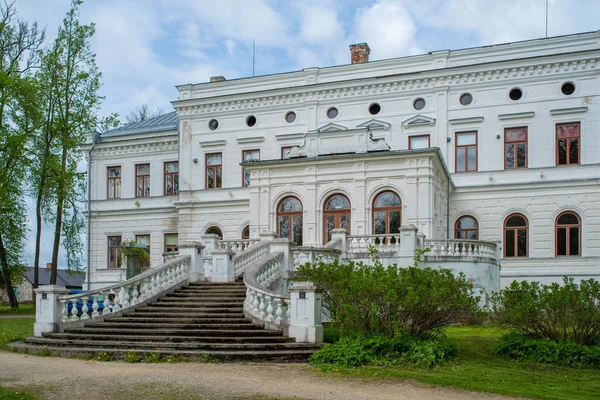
(63, 378)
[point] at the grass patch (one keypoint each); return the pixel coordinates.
(16, 329)
(476, 368)
(16, 394)
(22, 309)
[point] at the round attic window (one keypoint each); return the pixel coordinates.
(251, 120)
(419, 104)
(332, 113)
(515, 94)
(213, 124)
(466, 99)
(290, 117)
(568, 88)
(374, 109)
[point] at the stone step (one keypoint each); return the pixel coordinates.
(198, 326)
(194, 295)
(197, 304)
(149, 320)
(250, 331)
(166, 345)
(163, 313)
(216, 284)
(206, 292)
(295, 355)
(171, 338)
(192, 310)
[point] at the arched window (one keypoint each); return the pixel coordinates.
(289, 220)
(215, 231)
(568, 234)
(246, 232)
(515, 236)
(336, 215)
(466, 228)
(387, 213)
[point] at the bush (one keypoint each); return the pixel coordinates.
(556, 312)
(379, 350)
(394, 302)
(570, 354)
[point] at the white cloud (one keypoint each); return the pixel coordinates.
(319, 24)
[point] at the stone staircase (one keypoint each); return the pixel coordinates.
(197, 320)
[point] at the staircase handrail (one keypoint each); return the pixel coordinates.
(335, 244)
(237, 245)
(313, 254)
(248, 256)
(262, 304)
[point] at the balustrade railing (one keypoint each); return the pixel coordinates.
(261, 303)
(383, 242)
(125, 294)
(236, 245)
(305, 254)
(461, 248)
(242, 259)
(335, 244)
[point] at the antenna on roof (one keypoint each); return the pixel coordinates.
(546, 18)
(254, 54)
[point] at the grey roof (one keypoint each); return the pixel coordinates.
(64, 278)
(165, 122)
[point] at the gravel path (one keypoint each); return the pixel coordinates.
(62, 378)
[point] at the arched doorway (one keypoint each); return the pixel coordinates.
(387, 213)
(336, 215)
(289, 220)
(215, 230)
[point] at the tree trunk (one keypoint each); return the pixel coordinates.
(12, 299)
(59, 215)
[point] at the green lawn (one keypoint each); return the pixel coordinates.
(14, 329)
(476, 369)
(22, 309)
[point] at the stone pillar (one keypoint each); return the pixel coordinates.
(341, 234)
(194, 250)
(267, 236)
(47, 308)
(305, 320)
(222, 266)
(408, 244)
(210, 244)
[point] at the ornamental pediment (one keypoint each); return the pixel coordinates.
(318, 143)
(330, 127)
(418, 120)
(375, 124)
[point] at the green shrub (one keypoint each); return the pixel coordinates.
(331, 335)
(379, 350)
(395, 302)
(570, 354)
(567, 312)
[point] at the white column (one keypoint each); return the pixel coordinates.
(305, 304)
(222, 261)
(408, 244)
(194, 250)
(48, 309)
(342, 235)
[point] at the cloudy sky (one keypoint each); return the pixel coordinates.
(146, 47)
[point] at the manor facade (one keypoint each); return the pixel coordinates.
(492, 144)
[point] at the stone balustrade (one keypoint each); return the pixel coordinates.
(306, 254)
(236, 245)
(247, 257)
(384, 242)
(461, 248)
(263, 305)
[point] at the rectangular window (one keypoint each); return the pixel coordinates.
(114, 252)
(142, 180)
(567, 143)
(171, 243)
(418, 142)
(466, 151)
(171, 178)
(285, 152)
(515, 148)
(114, 182)
(248, 155)
(214, 170)
(143, 239)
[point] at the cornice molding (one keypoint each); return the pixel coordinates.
(573, 110)
(470, 120)
(368, 86)
(418, 120)
(289, 136)
(526, 114)
(255, 139)
(213, 143)
(375, 124)
(135, 148)
(330, 127)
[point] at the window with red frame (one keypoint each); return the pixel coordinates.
(142, 180)
(214, 170)
(515, 148)
(567, 143)
(171, 178)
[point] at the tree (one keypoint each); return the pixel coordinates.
(19, 44)
(142, 113)
(72, 115)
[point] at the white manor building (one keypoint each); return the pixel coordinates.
(493, 144)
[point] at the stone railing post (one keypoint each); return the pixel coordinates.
(287, 263)
(408, 245)
(210, 244)
(194, 250)
(48, 309)
(341, 234)
(222, 266)
(305, 319)
(421, 240)
(267, 236)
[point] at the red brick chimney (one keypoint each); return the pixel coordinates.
(359, 53)
(217, 79)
